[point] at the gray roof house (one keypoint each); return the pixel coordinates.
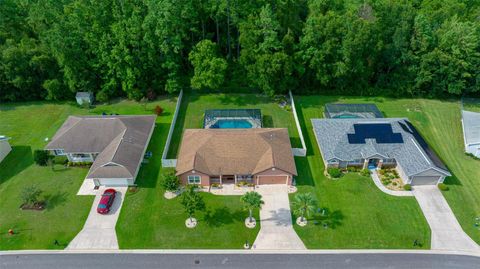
(84, 98)
(375, 142)
(471, 132)
(115, 144)
(5, 147)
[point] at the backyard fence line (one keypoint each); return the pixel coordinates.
(171, 162)
(302, 152)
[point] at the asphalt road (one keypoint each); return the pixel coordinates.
(277, 261)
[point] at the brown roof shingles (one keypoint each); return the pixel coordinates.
(235, 151)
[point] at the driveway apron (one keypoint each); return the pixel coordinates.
(99, 230)
(276, 230)
(447, 234)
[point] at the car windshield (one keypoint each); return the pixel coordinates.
(102, 206)
(107, 194)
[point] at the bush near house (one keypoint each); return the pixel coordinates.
(442, 187)
(365, 172)
(41, 157)
(334, 172)
(407, 187)
(170, 182)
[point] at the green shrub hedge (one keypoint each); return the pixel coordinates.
(442, 186)
(334, 172)
(407, 187)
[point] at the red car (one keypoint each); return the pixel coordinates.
(106, 201)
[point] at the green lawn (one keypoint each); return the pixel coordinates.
(148, 220)
(358, 215)
(29, 124)
(194, 105)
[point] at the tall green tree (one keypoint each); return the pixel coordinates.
(252, 200)
(192, 201)
(208, 66)
(304, 204)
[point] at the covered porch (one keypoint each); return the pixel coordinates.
(232, 179)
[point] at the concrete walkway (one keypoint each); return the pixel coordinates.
(276, 230)
(447, 234)
(378, 183)
(99, 230)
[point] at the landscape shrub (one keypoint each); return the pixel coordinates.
(352, 169)
(30, 195)
(158, 110)
(60, 160)
(407, 187)
(334, 172)
(365, 172)
(41, 157)
(171, 182)
(442, 187)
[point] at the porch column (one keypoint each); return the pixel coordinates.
(91, 156)
(365, 164)
(235, 179)
(380, 163)
(220, 179)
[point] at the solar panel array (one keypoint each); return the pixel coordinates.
(381, 132)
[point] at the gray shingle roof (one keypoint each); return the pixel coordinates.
(120, 142)
(412, 154)
(84, 95)
(471, 127)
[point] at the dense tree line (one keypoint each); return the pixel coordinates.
(50, 49)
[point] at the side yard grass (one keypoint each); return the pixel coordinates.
(148, 220)
(29, 124)
(358, 215)
(194, 105)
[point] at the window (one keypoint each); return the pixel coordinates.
(194, 179)
(59, 152)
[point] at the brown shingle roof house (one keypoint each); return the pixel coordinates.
(258, 156)
(115, 144)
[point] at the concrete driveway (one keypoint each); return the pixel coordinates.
(99, 230)
(447, 234)
(276, 230)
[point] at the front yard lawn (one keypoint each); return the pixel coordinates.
(194, 105)
(148, 220)
(29, 124)
(358, 214)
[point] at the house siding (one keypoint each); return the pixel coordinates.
(204, 178)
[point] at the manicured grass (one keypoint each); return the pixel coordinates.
(148, 220)
(193, 108)
(29, 124)
(358, 214)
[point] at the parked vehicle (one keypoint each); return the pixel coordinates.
(106, 201)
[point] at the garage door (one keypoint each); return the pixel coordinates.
(113, 182)
(431, 180)
(272, 180)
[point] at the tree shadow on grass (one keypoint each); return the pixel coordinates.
(55, 200)
(267, 121)
(305, 177)
(16, 161)
(328, 219)
(149, 172)
(222, 216)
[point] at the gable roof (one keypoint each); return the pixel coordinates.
(471, 127)
(120, 142)
(84, 95)
(405, 145)
(235, 151)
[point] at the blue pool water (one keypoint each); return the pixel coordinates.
(232, 124)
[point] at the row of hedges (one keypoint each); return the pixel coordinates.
(337, 172)
(83, 164)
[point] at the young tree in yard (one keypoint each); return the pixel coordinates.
(171, 182)
(304, 204)
(30, 195)
(209, 67)
(192, 201)
(252, 200)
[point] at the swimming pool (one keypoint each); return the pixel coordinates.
(232, 124)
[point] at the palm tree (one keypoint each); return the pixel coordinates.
(304, 204)
(192, 201)
(252, 200)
